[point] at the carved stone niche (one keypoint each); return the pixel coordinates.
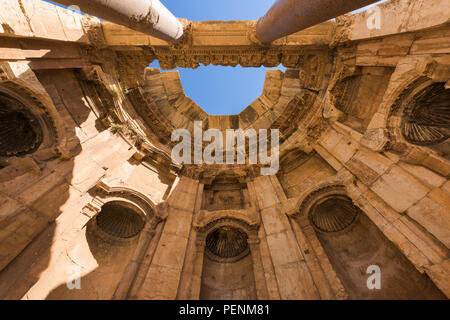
(352, 242)
(27, 134)
(228, 247)
(21, 132)
(227, 244)
(225, 193)
(120, 214)
(226, 236)
(419, 124)
(426, 118)
(358, 96)
(29, 122)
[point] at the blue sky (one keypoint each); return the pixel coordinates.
(221, 90)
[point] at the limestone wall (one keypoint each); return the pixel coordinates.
(343, 107)
(224, 281)
(42, 199)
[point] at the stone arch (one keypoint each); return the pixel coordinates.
(39, 128)
(229, 249)
(227, 219)
(353, 243)
(401, 83)
(119, 215)
(103, 194)
(385, 129)
(326, 189)
(420, 117)
(248, 221)
(120, 219)
(107, 253)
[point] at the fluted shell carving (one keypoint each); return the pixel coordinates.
(334, 215)
(20, 131)
(120, 221)
(426, 119)
(227, 242)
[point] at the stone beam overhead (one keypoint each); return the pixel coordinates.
(289, 16)
(148, 16)
(217, 33)
(228, 43)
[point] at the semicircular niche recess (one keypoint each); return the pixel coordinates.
(333, 214)
(426, 119)
(120, 220)
(227, 243)
(20, 131)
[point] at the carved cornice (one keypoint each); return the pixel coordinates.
(131, 65)
(207, 173)
(227, 43)
(250, 217)
(256, 57)
(103, 193)
(96, 87)
(226, 220)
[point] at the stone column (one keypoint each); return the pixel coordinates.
(145, 264)
(292, 274)
(196, 282)
(133, 266)
(163, 278)
(290, 16)
(192, 270)
(258, 270)
(327, 282)
(147, 16)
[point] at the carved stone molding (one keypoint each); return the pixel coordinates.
(103, 193)
(207, 173)
(248, 218)
(101, 97)
(19, 83)
(255, 57)
(227, 244)
(340, 184)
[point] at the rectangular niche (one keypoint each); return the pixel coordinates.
(225, 194)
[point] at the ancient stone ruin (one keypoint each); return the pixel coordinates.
(92, 205)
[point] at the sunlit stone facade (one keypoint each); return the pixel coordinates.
(93, 207)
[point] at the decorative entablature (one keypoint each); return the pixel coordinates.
(206, 174)
(103, 193)
(246, 57)
(227, 43)
(101, 95)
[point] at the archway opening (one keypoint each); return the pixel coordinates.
(227, 266)
(21, 132)
(354, 244)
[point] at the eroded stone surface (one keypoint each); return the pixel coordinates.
(105, 121)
